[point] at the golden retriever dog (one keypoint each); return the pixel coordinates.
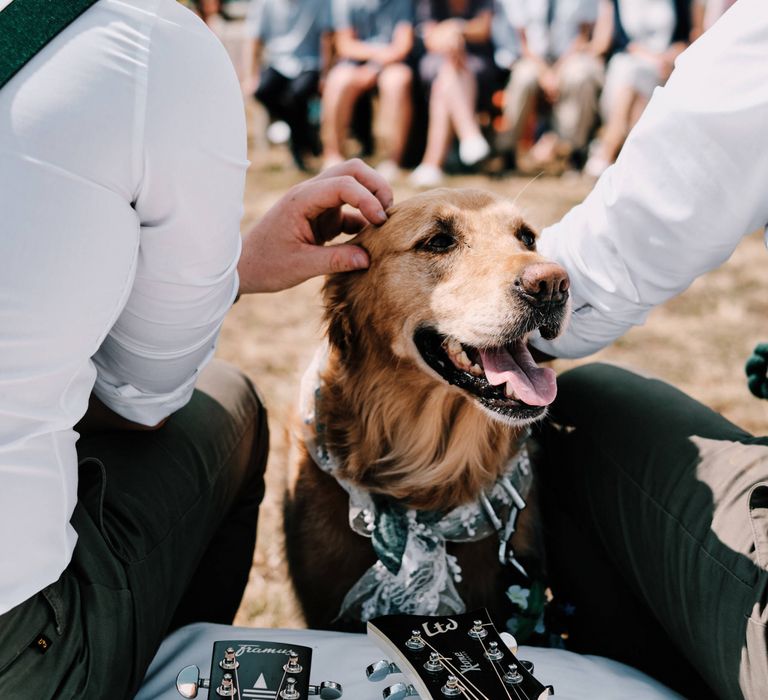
(427, 389)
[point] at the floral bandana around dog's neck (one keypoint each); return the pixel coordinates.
(414, 573)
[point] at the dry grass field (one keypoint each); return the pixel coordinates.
(698, 342)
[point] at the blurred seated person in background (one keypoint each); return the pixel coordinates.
(288, 50)
(373, 39)
(556, 64)
(458, 66)
(644, 37)
(706, 13)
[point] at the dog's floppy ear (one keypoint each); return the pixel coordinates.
(338, 311)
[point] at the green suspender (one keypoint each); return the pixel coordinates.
(26, 26)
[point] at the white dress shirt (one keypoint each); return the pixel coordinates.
(122, 167)
(689, 184)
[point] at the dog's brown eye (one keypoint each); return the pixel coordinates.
(439, 243)
(526, 237)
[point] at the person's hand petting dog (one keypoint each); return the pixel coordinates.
(287, 246)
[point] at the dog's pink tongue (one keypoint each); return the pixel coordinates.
(532, 384)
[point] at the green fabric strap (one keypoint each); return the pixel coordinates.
(26, 26)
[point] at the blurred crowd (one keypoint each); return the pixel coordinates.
(460, 85)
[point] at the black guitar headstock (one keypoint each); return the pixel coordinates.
(459, 656)
(248, 670)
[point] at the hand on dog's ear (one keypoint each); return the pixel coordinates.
(287, 246)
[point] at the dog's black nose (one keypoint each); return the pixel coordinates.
(543, 283)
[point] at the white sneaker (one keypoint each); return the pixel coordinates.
(389, 170)
(473, 150)
(426, 176)
(278, 133)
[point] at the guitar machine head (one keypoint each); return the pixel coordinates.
(443, 657)
(248, 670)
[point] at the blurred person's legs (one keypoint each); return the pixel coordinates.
(452, 101)
(345, 84)
(629, 82)
(575, 111)
(270, 91)
(395, 112)
(287, 99)
(520, 98)
(656, 516)
(166, 524)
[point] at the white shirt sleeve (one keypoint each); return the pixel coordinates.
(691, 181)
(122, 168)
(189, 204)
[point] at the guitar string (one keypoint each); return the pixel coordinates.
(456, 672)
(280, 687)
(514, 687)
(237, 682)
(524, 670)
(492, 624)
(496, 671)
(475, 692)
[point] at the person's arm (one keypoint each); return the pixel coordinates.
(698, 10)
(602, 34)
(350, 47)
(453, 34)
(477, 30)
(691, 181)
(400, 46)
(189, 202)
(254, 49)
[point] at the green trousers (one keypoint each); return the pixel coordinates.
(656, 511)
(166, 525)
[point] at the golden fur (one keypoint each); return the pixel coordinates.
(394, 424)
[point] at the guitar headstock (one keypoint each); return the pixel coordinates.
(458, 656)
(249, 670)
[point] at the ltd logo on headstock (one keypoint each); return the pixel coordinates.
(432, 629)
(442, 657)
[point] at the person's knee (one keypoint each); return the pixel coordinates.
(234, 392)
(339, 78)
(525, 77)
(395, 81)
(577, 75)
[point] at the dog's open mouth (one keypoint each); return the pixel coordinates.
(505, 379)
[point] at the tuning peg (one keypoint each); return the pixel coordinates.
(452, 687)
(327, 690)
(512, 676)
(380, 670)
(399, 691)
(493, 652)
(415, 642)
(478, 631)
(188, 682)
(229, 661)
(293, 665)
(227, 688)
(290, 692)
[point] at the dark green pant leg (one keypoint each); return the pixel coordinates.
(653, 510)
(166, 525)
